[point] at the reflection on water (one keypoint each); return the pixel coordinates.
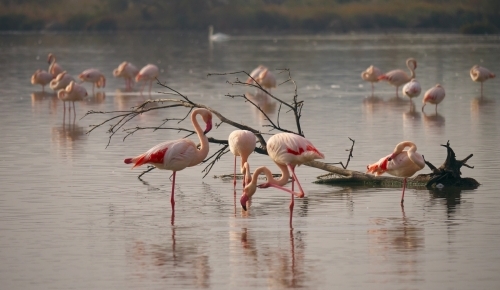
(178, 261)
(396, 234)
(412, 116)
(264, 104)
(481, 105)
(434, 120)
(38, 98)
(96, 98)
(69, 133)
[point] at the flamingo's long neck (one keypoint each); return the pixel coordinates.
(285, 175)
(415, 157)
(410, 65)
(203, 151)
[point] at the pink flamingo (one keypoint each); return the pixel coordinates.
(398, 77)
(242, 143)
(399, 163)
(41, 77)
(263, 77)
(61, 81)
(371, 75)
(480, 74)
(179, 154)
(287, 150)
(93, 76)
(54, 67)
(148, 73)
(434, 95)
(127, 71)
(72, 93)
(412, 89)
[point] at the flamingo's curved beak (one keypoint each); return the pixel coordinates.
(243, 201)
(208, 128)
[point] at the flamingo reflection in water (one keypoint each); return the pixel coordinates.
(263, 104)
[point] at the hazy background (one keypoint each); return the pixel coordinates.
(465, 16)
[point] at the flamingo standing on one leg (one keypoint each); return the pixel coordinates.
(371, 75)
(288, 150)
(399, 163)
(480, 74)
(242, 143)
(127, 71)
(434, 95)
(148, 73)
(263, 77)
(179, 154)
(398, 77)
(93, 76)
(41, 77)
(54, 67)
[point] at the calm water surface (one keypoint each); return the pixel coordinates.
(73, 216)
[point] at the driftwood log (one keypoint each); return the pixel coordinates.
(446, 175)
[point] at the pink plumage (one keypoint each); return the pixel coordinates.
(401, 163)
(93, 76)
(434, 95)
(398, 77)
(149, 73)
(242, 143)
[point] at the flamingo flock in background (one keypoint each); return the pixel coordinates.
(481, 74)
(149, 73)
(371, 74)
(398, 77)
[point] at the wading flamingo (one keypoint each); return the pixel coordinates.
(54, 67)
(93, 76)
(371, 75)
(399, 163)
(61, 81)
(179, 154)
(148, 73)
(242, 143)
(480, 74)
(434, 95)
(398, 77)
(127, 71)
(41, 77)
(412, 89)
(288, 150)
(72, 93)
(263, 77)
(251, 187)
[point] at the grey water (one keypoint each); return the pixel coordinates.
(73, 216)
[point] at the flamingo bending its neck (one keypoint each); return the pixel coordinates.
(371, 75)
(41, 77)
(61, 81)
(179, 154)
(398, 77)
(149, 73)
(251, 187)
(242, 143)
(54, 67)
(401, 163)
(412, 89)
(72, 93)
(434, 95)
(288, 150)
(127, 71)
(480, 74)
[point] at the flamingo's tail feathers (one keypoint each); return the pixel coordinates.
(137, 161)
(382, 77)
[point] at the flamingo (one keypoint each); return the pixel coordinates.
(41, 77)
(371, 75)
(434, 95)
(398, 77)
(263, 77)
(217, 37)
(412, 89)
(54, 67)
(61, 81)
(127, 71)
(480, 74)
(93, 76)
(251, 187)
(401, 163)
(288, 150)
(242, 143)
(148, 73)
(72, 93)
(178, 154)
